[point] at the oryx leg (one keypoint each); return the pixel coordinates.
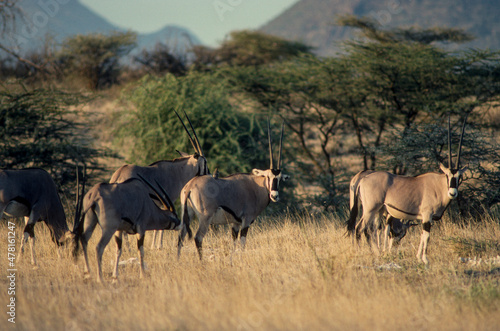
(235, 233)
(107, 234)
(388, 240)
(140, 249)
(159, 243)
(182, 235)
(89, 224)
(368, 227)
(243, 236)
(29, 234)
(424, 241)
(119, 242)
(202, 231)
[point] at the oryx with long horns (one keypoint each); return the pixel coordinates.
(31, 193)
(242, 196)
(172, 175)
(424, 197)
(115, 209)
(391, 229)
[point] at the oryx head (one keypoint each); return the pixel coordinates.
(198, 157)
(399, 229)
(453, 174)
(273, 175)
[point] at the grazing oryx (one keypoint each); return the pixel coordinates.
(394, 229)
(424, 197)
(242, 196)
(171, 175)
(116, 210)
(32, 193)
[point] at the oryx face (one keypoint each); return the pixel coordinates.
(202, 165)
(454, 178)
(273, 178)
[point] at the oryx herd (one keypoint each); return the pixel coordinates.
(140, 198)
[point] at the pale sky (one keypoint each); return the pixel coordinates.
(209, 20)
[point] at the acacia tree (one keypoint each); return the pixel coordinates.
(44, 128)
(232, 140)
(96, 57)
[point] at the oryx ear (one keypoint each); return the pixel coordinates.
(462, 171)
(258, 172)
(285, 177)
(182, 154)
(443, 168)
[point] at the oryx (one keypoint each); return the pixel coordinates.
(171, 175)
(31, 193)
(242, 196)
(424, 197)
(128, 207)
(394, 228)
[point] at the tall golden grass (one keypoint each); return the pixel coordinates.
(297, 272)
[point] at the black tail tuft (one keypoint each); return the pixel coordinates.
(185, 217)
(351, 223)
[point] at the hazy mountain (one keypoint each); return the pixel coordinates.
(62, 20)
(313, 21)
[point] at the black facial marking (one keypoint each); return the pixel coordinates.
(140, 242)
(275, 172)
(453, 182)
(274, 184)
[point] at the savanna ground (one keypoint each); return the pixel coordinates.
(297, 272)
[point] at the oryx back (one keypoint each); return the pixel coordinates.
(132, 213)
(32, 193)
(239, 195)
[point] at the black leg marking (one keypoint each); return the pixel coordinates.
(30, 228)
(235, 233)
(198, 246)
(119, 242)
(140, 242)
(244, 232)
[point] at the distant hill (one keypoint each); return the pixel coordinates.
(63, 20)
(312, 21)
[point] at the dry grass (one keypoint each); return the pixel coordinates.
(296, 273)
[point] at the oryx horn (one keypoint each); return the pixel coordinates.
(450, 165)
(195, 136)
(461, 140)
(281, 144)
(163, 196)
(80, 195)
(189, 135)
(270, 145)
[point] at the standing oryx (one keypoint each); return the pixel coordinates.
(424, 197)
(33, 194)
(171, 175)
(128, 207)
(394, 229)
(242, 196)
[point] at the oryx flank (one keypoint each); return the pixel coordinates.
(115, 209)
(242, 196)
(394, 228)
(171, 175)
(31, 193)
(424, 197)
